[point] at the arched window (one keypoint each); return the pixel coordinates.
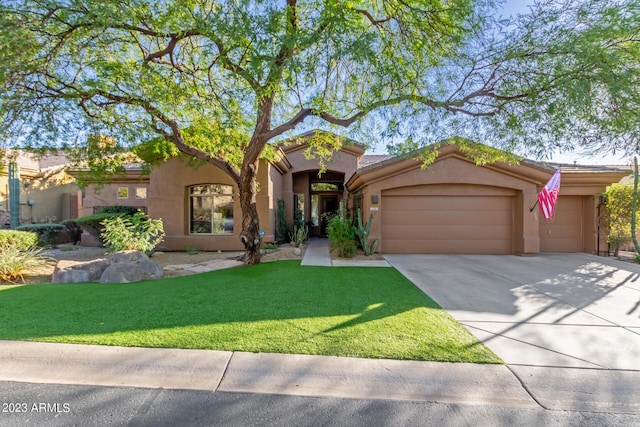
(211, 209)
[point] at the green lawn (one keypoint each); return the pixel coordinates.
(278, 307)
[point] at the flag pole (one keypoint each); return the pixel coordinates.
(534, 206)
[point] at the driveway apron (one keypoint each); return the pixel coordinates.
(551, 310)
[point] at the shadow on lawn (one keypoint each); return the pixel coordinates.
(271, 291)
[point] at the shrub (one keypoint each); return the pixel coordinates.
(118, 209)
(92, 224)
(341, 234)
(136, 232)
(48, 234)
(15, 261)
(282, 229)
(21, 240)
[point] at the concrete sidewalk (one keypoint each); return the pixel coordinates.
(317, 254)
(322, 376)
(260, 373)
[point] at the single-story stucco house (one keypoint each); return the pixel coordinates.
(451, 206)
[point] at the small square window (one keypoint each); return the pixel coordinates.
(141, 192)
(123, 192)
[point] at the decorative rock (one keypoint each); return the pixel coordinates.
(118, 267)
(132, 271)
(297, 251)
(127, 256)
(78, 272)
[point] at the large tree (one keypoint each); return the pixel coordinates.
(218, 80)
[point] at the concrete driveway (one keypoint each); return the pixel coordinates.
(551, 310)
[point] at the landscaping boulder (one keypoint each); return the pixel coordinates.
(131, 271)
(68, 271)
(119, 267)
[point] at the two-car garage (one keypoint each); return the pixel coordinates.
(456, 207)
(434, 222)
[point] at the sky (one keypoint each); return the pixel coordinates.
(514, 7)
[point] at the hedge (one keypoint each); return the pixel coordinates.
(21, 240)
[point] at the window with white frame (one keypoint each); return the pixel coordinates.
(211, 209)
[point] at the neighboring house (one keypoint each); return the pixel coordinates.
(451, 206)
(47, 193)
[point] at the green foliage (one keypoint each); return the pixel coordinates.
(341, 234)
(92, 224)
(136, 232)
(117, 209)
(282, 229)
(48, 234)
(299, 234)
(619, 213)
(363, 231)
(20, 240)
(15, 261)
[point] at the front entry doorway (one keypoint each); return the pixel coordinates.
(329, 204)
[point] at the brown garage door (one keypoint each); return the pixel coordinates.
(447, 224)
(564, 232)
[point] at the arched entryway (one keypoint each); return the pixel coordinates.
(316, 197)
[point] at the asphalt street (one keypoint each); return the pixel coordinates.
(67, 405)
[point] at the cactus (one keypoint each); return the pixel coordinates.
(363, 234)
(634, 207)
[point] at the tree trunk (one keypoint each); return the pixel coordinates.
(250, 235)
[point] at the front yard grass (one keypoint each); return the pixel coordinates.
(277, 307)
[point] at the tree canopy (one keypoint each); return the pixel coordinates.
(219, 80)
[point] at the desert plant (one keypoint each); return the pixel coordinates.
(363, 231)
(15, 261)
(136, 232)
(48, 234)
(341, 234)
(299, 233)
(92, 224)
(634, 207)
(619, 215)
(21, 240)
(282, 229)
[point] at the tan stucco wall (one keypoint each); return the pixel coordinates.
(46, 190)
(47, 193)
(107, 195)
(168, 200)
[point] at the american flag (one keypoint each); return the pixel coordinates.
(549, 196)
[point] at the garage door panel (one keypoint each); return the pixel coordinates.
(447, 224)
(443, 217)
(443, 232)
(564, 232)
(443, 203)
